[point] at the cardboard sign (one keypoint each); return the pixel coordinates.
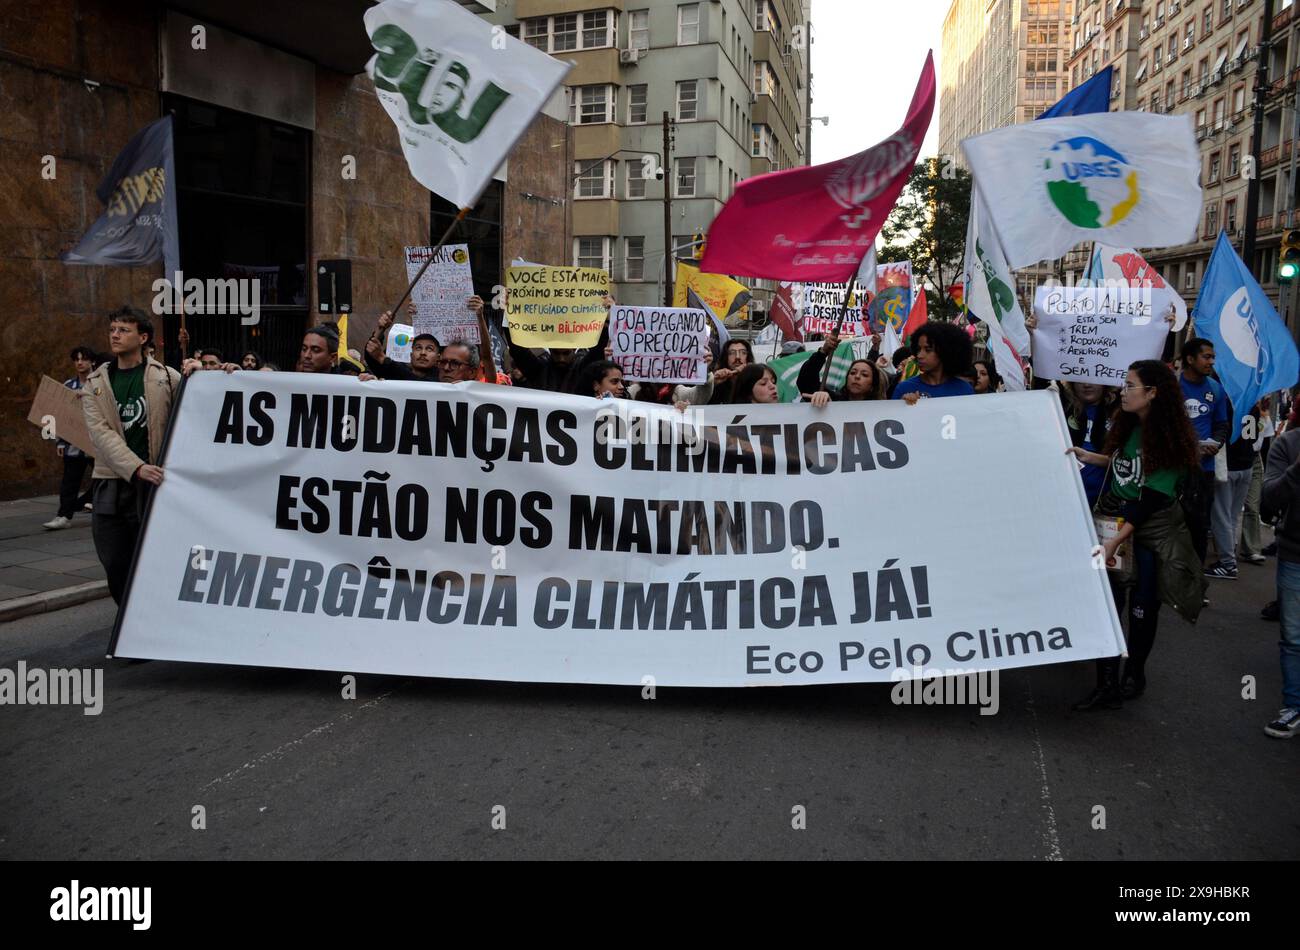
(660, 344)
(60, 407)
(440, 295)
(819, 306)
(1093, 335)
(400, 337)
(557, 308)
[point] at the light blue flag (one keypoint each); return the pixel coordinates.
(1254, 352)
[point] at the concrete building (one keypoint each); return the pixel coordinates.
(1004, 62)
(1107, 33)
(267, 116)
(732, 75)
(1199, 58)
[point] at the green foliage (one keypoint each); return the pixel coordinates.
(928, 227)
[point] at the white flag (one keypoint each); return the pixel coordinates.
(460, 91)
(1126, 266)
(1122, 178)
(867, 272)
(990, 288)
(1008, 364)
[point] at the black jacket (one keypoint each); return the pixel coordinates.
(1282, 491)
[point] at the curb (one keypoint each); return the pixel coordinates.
(52, 600)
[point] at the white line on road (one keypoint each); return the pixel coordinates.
(1050, 837)
(282, 750)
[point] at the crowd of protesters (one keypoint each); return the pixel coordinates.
(1155, 456)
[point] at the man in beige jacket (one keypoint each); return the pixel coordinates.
(126, 402)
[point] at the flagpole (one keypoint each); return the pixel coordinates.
(432, 253)
(839, 322)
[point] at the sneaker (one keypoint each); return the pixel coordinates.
(56, 523)
(1285, 725)
(87, 507)
(1270, 611)
(1254, 558)
(1222, 572)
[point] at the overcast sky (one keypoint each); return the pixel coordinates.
(866, 57)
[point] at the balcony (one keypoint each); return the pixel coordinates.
(1280, 20)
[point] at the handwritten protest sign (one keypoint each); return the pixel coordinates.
(660, 344)
(820, 308)
(440, 295)
(400, 337)
(1093, 334)
(557, 308)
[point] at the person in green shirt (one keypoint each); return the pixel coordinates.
(1150, 449)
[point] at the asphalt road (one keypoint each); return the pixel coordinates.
(285, 768)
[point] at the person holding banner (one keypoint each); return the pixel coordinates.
(756, 385)
(1089, 408)
(424, 353)
(987, 378)
(1150, 452)
(602, 379)
(943, 353)
(251, 361)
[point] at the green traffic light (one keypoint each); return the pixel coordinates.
(1288, 271)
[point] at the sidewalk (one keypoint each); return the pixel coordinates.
(45, 570)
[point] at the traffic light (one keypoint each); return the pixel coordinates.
(1288, 257)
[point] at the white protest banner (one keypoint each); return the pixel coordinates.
(460, 90)
(660, 344)
(400, 337)
(820, 308)
(1093, 334)
(440, 295)
(501, 533)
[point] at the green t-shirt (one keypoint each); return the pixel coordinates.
(1127, 477)
(128, 390)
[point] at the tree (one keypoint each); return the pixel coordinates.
(928, 227)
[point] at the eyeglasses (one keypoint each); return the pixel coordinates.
(1129, 387)
(453, 364)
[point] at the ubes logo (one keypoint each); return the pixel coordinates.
(434, 86)
(1090, 183)
(1240, 331)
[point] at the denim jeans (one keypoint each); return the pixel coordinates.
(1288, 602)
(1226, 515)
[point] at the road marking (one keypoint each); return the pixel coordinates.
(1050, 837)
(282, 750)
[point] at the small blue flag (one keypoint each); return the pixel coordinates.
(1254, 352)
(1091, 96)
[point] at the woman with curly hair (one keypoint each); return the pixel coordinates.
(943, 354)
(1150, 450)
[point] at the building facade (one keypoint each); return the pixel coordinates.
(284, 158)
(731, 76)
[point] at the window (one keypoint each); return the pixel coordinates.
(1214, 168)
(558, 34)
(591, 252)
(636, 105)
(761, 146)
(634, 258)
(1234, 161)
(638, 29)
(765, 18)
(1239, 99)
(594, 179)
(688, 99)
(1211, 220)
(1207, 23)
(1187, 83)
(688, 24)
(685, 178)
(1200, 118)
(764, 80)
(564, 33)
(1230, 216)
(589, 104)
(636, 179)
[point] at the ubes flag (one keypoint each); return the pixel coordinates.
(460, 91)
(138, 225)
(1121, 178)
(816, 224)
(1254, 352)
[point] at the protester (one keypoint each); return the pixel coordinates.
(251, 360)
(1230, 502)
(75, 461)
(603, 379)
(987, 378)
(1150, 450)
(1207, 407)
(754, 384)
(320, 348)
(943, 352)
(865, 380)
(1088, 413)
(558, 370)
(126, 403)
(1252, 544)
(460, 363)
(424, 355)
(1281, 499)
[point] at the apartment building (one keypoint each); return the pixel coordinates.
(1107, 33)
(732, 75)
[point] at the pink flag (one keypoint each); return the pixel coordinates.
(816, 224)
